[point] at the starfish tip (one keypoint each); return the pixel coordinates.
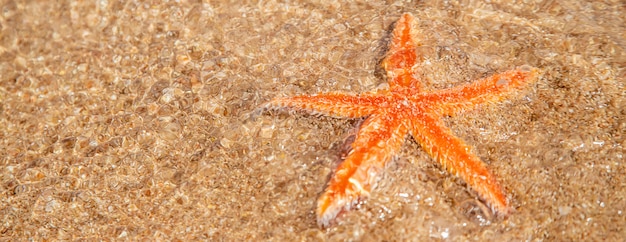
(329, 208)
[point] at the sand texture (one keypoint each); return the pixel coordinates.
(133, 120)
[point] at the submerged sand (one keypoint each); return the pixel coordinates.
(133, 120)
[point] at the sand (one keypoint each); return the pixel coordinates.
(131, 120)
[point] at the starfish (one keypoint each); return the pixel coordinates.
(402, 109)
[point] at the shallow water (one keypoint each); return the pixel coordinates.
(139, 120)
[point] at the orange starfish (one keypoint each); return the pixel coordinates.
(400, 110)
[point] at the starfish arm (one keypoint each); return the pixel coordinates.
(454, 155)
(488, 90)
(331, 104)
(379, 138)
(402, 57)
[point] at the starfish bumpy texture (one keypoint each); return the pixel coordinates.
(402, 109)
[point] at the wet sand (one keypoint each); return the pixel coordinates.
(140, 120)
